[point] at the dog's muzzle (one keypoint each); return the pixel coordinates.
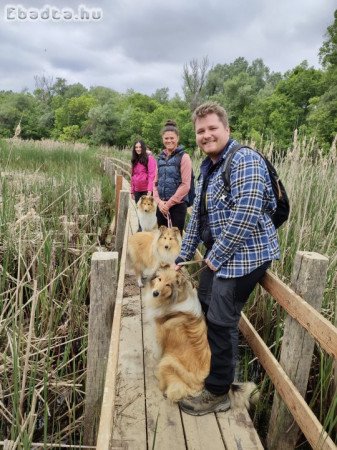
(155, 293)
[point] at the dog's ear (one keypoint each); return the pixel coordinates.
(181, 278)
(142, 197)
(154, 276)
(162, 229)
(164, 266)
(176, 231)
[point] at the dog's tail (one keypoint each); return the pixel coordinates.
(243, 395)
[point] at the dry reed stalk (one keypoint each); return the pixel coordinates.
(59, 275)
(4, 411)
(41, 445)
(30, 333)
(21, 283)
(26, 422)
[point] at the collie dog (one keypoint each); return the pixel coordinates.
(146, 210)
(149, 250)
(173, 304)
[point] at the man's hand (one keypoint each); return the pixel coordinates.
(210, 265)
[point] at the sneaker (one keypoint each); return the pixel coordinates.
(205, 403)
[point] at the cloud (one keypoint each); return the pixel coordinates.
(143, 45)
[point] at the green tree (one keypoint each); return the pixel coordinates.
(328, 51)
(74, 111)
(161, 95)
(194, 77)
(300, 85)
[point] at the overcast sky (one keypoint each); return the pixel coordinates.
(143, 44)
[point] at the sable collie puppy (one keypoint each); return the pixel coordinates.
(146, 210)
(173, 304)
(148, 250)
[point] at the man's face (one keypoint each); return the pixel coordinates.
(211, 135)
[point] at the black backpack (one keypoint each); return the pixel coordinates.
(281, 213)
(191, 192)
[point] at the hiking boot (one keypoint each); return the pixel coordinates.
(205, 403)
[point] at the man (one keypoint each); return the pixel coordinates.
(241, 242)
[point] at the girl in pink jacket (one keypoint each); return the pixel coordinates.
(143, 171)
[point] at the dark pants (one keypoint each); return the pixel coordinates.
(178, 216)
(139, 194)
(222, 300)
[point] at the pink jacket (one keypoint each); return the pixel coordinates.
(142, 179)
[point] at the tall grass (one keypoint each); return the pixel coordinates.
(310, 178)
(54, 203)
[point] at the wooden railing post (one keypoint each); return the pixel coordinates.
(119, 184)
(121, 219)
(103, 289)
(110, 171)
(308, 280)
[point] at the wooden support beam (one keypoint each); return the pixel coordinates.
(308, 280)
(105, 431)
(109, 168)
(103, 286)
(121, 219)
(319, 327)
(308, 422)
(119, 184)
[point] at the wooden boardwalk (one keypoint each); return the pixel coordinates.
(144, 419)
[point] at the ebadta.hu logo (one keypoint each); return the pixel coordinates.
(18, 13)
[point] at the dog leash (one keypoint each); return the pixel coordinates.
(190, 277)
(169, 220)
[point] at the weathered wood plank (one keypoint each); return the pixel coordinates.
(103, 285)
(108, 404)
(238, 430)
(121, 219)
(319, 327)
(308, 280)
(301, 412)
(130, 420)
(202, 432)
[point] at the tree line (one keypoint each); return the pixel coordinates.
(262, 105)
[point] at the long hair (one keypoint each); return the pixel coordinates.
(142, 158)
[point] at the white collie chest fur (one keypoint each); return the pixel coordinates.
(147, 220)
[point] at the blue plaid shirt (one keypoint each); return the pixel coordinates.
(244, 235)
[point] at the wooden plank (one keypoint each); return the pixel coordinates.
(163, 417)
(301, 412)
(119, 183)
(105, 430)
(308, 280)
(130, 420)
(126, 165)
(103, 282)
(202, 432)
(123, 211)
(238, 430)
(319, 327)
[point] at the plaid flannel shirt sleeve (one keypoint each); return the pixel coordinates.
(247, 188)
(191, 238)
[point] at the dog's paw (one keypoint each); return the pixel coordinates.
(139, 282)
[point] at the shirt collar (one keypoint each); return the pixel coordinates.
(208, 163)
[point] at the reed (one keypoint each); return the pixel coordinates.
(55, 203)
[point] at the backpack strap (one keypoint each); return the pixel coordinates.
(226, 168)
